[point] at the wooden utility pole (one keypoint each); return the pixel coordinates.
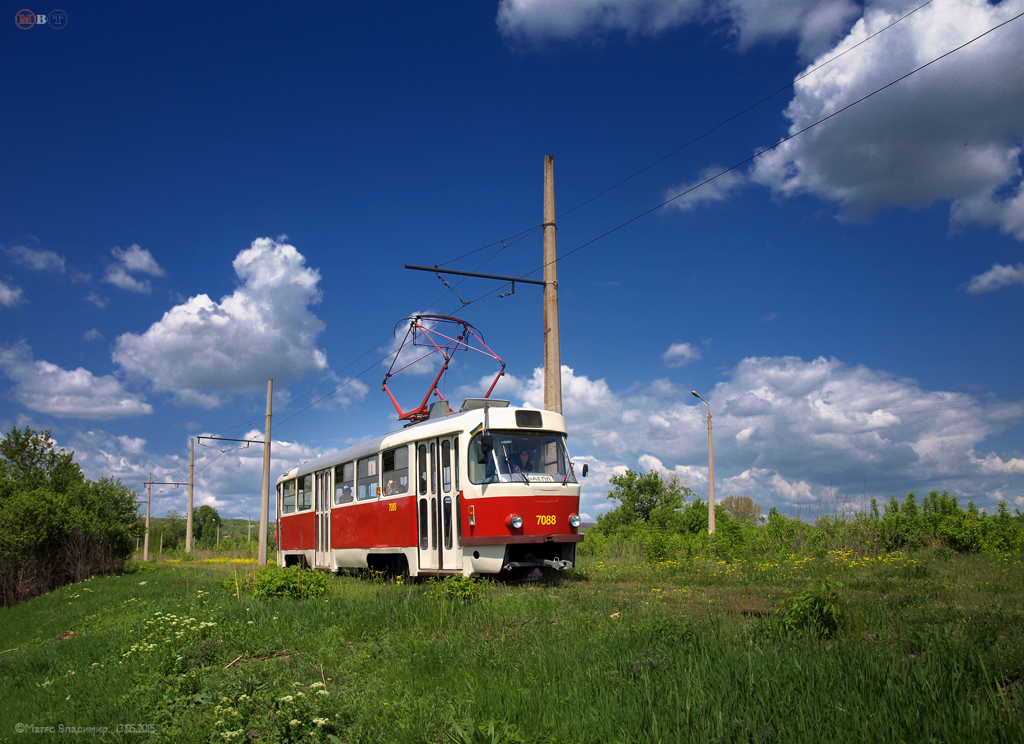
(552, 352)
(149, 499)
(191, 480)
(261, 555)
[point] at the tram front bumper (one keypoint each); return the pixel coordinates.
(533, 562)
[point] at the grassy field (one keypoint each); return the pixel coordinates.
(921, 648)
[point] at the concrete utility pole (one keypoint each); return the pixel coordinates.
(552, 352)
(552, 346)
(711, 470)
(191, 480)
(149, 499)
(261, 556)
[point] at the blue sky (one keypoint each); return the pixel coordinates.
(195, 197)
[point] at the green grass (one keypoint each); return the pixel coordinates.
(928, 649)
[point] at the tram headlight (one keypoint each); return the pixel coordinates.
(515, 522)
(575, 521)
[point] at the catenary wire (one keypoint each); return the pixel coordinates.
(760, 152)
(689, 190)
(512, 239)
(704, 134)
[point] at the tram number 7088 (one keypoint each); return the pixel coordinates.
(546, 519)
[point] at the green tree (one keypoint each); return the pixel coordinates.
(913, 523)
(30, 459)
(640, 494)
(206, 522)
(742, 508)
(56, 526)
(174, 533)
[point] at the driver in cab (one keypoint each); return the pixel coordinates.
(525, 466)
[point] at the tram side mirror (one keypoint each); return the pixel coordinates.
(586, 469)
(485, 448)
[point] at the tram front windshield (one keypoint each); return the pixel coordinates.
(520, 458)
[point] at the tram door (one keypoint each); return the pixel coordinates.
(436, 507)
(322, 508)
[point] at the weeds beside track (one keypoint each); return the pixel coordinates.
(925, 647)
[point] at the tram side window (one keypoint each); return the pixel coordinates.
(344, 483)
(424, 540)
(446, 465)
(421, 467)
(366, 482)
(447, 522)
(288, 497)
(395, 467)
(433, 468)
(305, 492)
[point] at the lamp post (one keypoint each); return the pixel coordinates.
(711, 470)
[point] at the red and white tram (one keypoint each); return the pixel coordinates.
(488, 490)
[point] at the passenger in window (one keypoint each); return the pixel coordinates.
(390, 489)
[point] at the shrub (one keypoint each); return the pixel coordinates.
(294, 582)
(818, 610)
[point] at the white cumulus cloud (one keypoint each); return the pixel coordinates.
(97, 300)
(539, 20)
(11, 295)
(679, 354)
(230, 481)
(37, 259)
(998, 277)
(787, 432)
(815, 23)
(128, 262)
(202, 351)
(46, 388)
(720, 188)
(952, 131)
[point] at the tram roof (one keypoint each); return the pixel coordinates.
(501, 416)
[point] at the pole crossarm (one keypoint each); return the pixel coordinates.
(164, 483)
(224, 439)
(438, 270)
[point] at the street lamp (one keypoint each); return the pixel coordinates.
(711, 470)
